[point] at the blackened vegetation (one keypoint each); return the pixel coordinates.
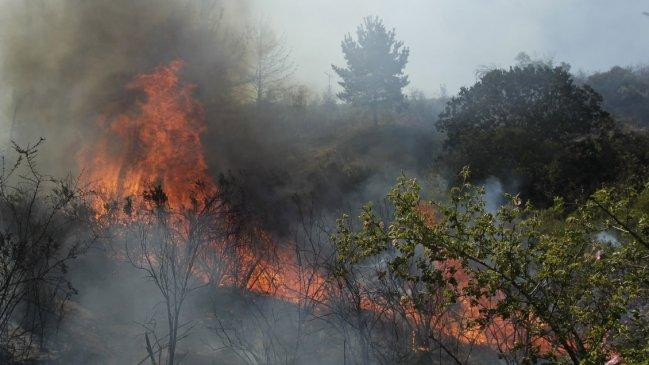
(348, 165)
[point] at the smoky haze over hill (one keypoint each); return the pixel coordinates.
(324, 182)
(450, 39)
(73, 64)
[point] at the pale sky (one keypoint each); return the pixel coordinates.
(450, 39)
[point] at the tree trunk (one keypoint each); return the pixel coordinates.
(173, 328)
(375, 115)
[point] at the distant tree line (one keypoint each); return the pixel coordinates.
(625, 91)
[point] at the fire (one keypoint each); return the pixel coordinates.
(500, 334)
(158, 143)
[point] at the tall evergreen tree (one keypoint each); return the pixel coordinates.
(374, 76)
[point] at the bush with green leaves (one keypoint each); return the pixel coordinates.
(571, 283)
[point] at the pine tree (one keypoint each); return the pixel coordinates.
(374, 76)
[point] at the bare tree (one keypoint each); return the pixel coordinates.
(42, 228)
(277, 308)
(271, 65)
(419, 323)
(349, 302)
(166, 243)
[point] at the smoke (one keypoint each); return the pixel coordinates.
(493, 197)
(496, 190)
(65, 63)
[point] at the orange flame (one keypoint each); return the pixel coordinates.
(157, 144)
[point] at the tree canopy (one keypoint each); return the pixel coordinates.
(532, 126)
(625, 92)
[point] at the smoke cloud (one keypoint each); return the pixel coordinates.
(64, 63)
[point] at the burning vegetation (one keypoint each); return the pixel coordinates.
(157, 145)
(208, 214)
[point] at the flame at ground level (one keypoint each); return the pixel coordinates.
(159, 143)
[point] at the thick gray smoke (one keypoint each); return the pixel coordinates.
(66, 62)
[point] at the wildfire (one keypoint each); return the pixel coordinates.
(159, 143)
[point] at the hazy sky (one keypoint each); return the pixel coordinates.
(450, 39)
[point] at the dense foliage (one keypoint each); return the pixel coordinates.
(532, 127)
(571, 286)
(625, 92)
